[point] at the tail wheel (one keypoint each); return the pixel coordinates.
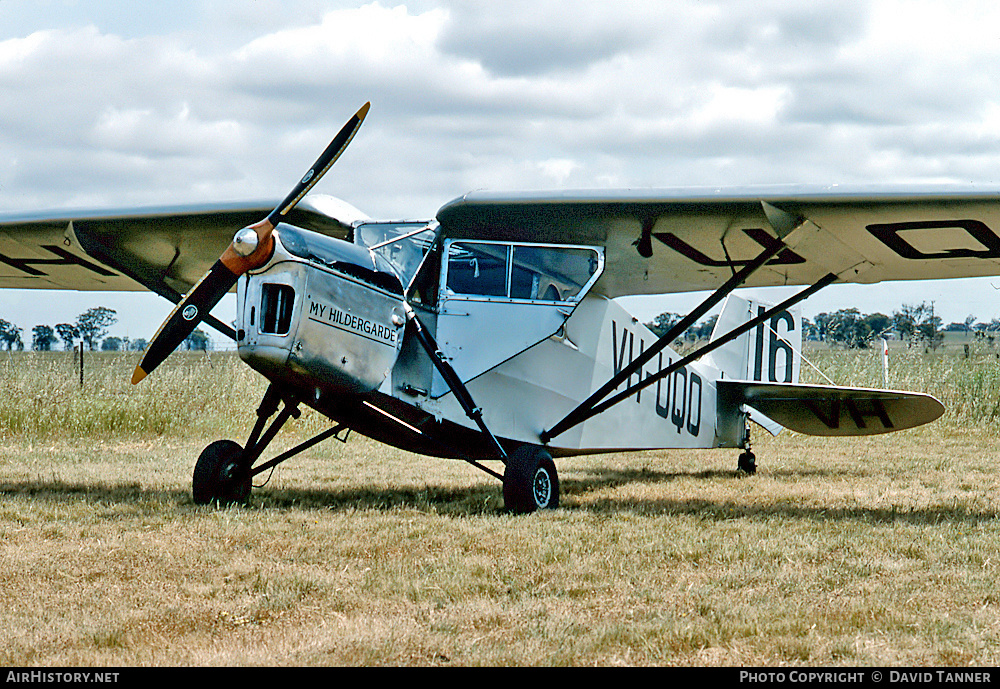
(219, 475)
(747, 462)
(530, 481)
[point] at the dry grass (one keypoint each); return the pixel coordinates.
(878, 551)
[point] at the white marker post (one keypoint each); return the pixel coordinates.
(885, 361)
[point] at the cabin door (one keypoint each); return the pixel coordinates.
(498, 299)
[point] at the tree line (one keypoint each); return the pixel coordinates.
(849, 328)
(90, 328)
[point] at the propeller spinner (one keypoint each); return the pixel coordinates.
(251, 248)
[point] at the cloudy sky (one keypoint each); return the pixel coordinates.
(123, 104)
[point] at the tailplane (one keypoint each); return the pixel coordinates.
(828, 410)
(759, 374)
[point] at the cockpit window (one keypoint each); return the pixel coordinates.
(479, 269)
(551, 273)
(535, 272)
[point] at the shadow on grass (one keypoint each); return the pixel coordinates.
(74, 491)
(486, 499)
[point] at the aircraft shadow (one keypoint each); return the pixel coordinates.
(58, 491)
(487, 499)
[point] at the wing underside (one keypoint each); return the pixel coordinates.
(655, 242)
(162, 250)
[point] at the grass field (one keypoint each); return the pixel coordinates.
(879, 551)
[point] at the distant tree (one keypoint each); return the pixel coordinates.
(821, 325)
(42, 338)
(810, 331)
(702, 330)
(966, 326)
(138, 345)
(905, 322)
(10, 335)
(198, 340)
(112, 344)
(847, 327)
(94, 323)
(878, 323)
(930, 329)
(68, 333)
(664, 322)
(919, 324)
(667, 320)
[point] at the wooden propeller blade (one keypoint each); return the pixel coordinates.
(185, 317)
(224, 273)
(322, 164)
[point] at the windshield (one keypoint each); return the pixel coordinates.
(401, 244)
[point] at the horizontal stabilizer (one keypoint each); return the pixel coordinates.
(828, 410)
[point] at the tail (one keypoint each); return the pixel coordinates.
(769, 353)
(759, 374)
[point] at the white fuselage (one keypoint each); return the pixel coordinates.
(532, 390)
(519, 325)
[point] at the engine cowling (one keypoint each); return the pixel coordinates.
(322, 313)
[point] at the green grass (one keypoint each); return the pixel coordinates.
(968, 386)
(866, 551)
(192, 394)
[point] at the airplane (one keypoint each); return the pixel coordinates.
(492, 333)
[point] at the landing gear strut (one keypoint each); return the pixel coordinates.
(224, 470)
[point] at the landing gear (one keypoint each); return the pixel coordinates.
(220, 476)
(747, 463)
(224, 470)
(530, 481)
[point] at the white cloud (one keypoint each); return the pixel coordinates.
(120, 104)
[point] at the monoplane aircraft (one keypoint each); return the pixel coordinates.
(491, 332)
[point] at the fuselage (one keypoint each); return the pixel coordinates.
(519, 323)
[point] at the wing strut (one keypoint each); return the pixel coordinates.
(585, 409)
(580, 415)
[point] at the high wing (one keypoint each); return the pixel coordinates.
(655, 241)
(165, 250)
(663, 241)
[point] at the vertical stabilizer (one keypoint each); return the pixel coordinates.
(769, 353)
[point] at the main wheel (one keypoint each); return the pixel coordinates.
(747, 462)
(530, 481)
(219, 476)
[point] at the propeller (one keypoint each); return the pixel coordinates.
(251, 248)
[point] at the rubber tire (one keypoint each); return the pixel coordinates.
(217, 475)
(530, 481)
(747, 463)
